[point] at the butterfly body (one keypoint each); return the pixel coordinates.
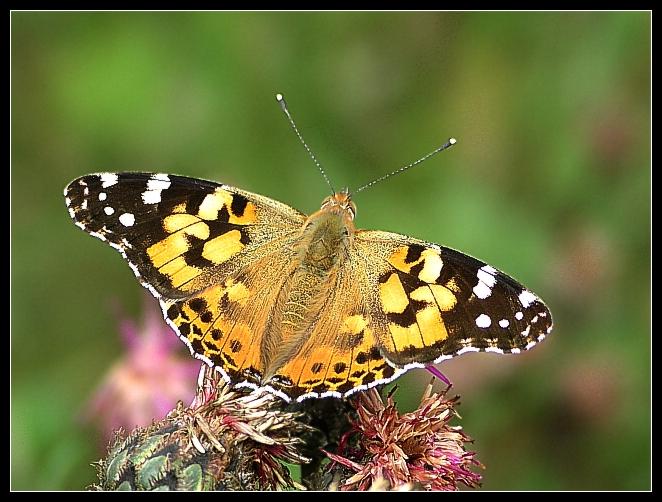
(303, 306)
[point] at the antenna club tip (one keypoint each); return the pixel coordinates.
(279, 97)
(452, 141)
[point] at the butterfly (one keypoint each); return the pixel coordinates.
(302, 306)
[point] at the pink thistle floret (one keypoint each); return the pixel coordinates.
(418, 449)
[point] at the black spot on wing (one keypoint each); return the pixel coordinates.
(196, 344)
(198, 304)
(406, 318)
(345, 387)
(235, 346)
(339, 367)
(368, 378)
(239, 203)
(194, 256)
(173, 312)
(414, 253)
(320, 388)
(375, 354)
(388, 371)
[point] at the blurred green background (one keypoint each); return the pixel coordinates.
(549, 181)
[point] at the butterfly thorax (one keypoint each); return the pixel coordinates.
(326, 237)
(323, 245)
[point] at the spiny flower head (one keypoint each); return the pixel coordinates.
(226, 440)
(419, 449)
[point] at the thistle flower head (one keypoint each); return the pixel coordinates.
(419, 449)
(226, 439)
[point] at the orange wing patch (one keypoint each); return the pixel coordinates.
(428, 263)
(349, 359)
(222, 199)
(207, 326)
(185, 232)
(413, 313)
(414, 305)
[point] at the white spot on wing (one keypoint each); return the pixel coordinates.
(102, 196)
(519, 316)
(151, 196)
(526, 298)
(483, 321)
(482, 290)
(158, 183)
(108, 179)
(155, 185)
(127, 219)
(486, 282)
(504, 323)
(108, 210)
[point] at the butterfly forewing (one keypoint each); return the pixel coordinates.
(180, 235)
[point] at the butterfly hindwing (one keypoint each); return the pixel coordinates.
(342, 353)
(436, 302)
(224, 325)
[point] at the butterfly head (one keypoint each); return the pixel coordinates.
(341, 203)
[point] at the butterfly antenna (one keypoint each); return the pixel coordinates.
(448, 144)
(283, 105)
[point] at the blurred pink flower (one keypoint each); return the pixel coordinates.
(146, 383)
